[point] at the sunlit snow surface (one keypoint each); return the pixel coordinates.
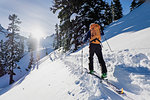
(62, 76)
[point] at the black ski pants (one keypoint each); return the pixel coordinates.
(96, 48)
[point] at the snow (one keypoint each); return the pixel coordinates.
(2, 33)
(23, 63)
(47, 42)
(45, 46)
(61, 76)
(73, 16)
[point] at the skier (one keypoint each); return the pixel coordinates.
(95, 47)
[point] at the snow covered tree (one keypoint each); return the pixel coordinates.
(66, 10)
(21, 46)
(2, 59)
(136, 3)
(2, 70)
(108, 14)
(57, 39)
(20, 40)
(88, 12)
(31, 63)
(84, 12)
(12, 46)
(31, 47)
(117, 9)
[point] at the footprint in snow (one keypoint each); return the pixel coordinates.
(77, 82)
(138, 57)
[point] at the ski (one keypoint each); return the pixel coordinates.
(115, 88)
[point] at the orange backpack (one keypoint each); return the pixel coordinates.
(95, 33)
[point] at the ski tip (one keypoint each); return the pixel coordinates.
(122, 91)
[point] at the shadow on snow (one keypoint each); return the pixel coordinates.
(122, 73)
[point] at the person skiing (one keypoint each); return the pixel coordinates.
(94, 34)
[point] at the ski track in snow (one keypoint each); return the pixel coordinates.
(127, 69)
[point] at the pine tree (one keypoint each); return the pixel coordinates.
(108, 15)
(133, 4)
(66, 9)
(141, 2)
(56, 42)
(2, 70)
(31, 47)
(12, 46)
(2, 66)
(3, 55)
(31, 63)
(136, 3)
(21, 46)
(117, 9)
(96, 11)
(87, 12)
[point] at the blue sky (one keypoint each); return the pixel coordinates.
(125, 5)
(35, 15)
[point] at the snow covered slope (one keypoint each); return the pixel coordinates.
(48, 41)
(133, 29)
(60, 77)
(24, 62)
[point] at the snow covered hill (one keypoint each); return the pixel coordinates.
(60, 76)
(48, 41)
(133, 27)
(46, 47)
(2, 33)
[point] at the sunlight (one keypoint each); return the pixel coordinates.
(37, 34)
(37, 38)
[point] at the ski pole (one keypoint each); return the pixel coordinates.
(82, 60)
(108, 43)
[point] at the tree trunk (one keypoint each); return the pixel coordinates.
(11, 77)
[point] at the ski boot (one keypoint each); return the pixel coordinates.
(92, 71)
(104, 75)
